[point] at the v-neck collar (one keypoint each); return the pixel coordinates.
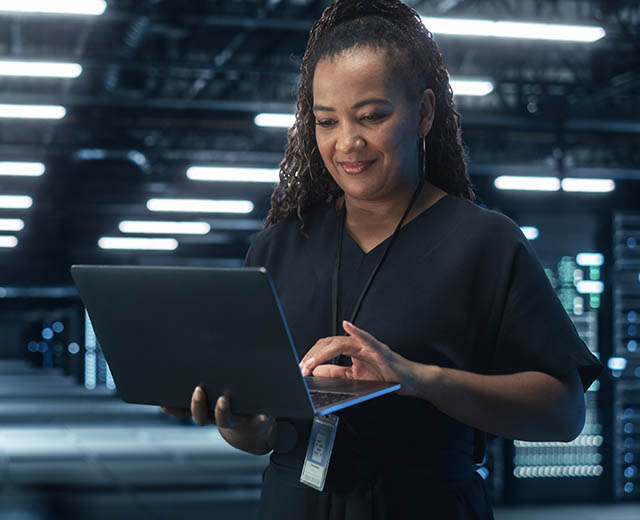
(373, 250)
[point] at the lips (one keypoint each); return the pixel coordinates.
(355, 167)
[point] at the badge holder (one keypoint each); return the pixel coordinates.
(316, 462)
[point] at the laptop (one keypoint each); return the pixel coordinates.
(164, 330)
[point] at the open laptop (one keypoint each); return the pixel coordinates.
(164, 330)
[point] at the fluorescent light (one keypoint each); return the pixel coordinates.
(530, 232)
(11, 224)
(33, 111)
(8, 241)
(463, 87)
(170, 228)
(85, 7)
(589, 287)
(27, 169)
(200, 205)
(589, 259)
(15, 201)
(151, 244)
(223, 173)
(617, 363)
(40, 69)
(523, 30)
(275, 120)
(588, 185)
(512, 182)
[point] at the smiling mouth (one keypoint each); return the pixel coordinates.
(355, 167)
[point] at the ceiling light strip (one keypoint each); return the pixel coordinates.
(200, 205)
(519, 30)
(15, 201)
(233, 174)
(159, 227)
(22, 169)
(11, 224)
(40, 69)
(147, 244)
(74, 7)
(33, 111)
(8, 241)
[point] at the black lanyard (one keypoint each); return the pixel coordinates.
(336, 265)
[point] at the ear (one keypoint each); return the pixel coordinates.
(427, 112)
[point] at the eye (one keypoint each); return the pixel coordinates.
(325, 123)
(372, 117)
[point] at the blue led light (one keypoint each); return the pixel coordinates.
(628, 457)
(47, 333)
(43, 347)
(628, 428)
(632, 316)
(628, 443)
(617, 363)
(73, 348)
(628, 487)
(628, 413)
(631, 242)
(630, 472)
(32, 346)
(57, 327)
(632, 345)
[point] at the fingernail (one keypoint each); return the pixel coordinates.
(199, 394)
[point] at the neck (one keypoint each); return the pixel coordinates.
(380, 214)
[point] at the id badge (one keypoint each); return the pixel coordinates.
(316, 462)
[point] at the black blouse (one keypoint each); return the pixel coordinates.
(462, 288)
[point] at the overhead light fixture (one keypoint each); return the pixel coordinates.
(33, 111)
(530, 232)
(200, 205)
(588, 185)
(462, 87)
(275, 120)
(79, 7)
(40, 69)
(15, 201)
(513, 182)
(228, 174)
(169, 228)
(11, 224)
(520, 30)
(26, 169)
(8, 241)
(589, 259)
(149, 244)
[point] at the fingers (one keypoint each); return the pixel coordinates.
(180, 413)
(223, 415)
(359, 334)
(333, 371)
(199, 408)
(325, 350)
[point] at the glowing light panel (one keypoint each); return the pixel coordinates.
(150, 244)
(514, 182)
(26, 169)
(228, 174)
(33, 111)
(170, 228)
(200, 205)
(42, 69)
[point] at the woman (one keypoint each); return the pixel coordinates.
(372, 222)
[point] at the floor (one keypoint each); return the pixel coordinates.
(67, 453)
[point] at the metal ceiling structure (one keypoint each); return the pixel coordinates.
(170, 84)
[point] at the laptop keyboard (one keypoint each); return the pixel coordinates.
(321, 398)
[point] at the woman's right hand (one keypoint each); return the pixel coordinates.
(252, 433)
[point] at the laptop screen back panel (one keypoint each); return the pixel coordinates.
(165, 330)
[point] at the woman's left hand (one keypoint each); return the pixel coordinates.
(372, 360)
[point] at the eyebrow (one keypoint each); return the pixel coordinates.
(368, 101)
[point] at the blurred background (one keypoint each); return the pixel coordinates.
(149, 132)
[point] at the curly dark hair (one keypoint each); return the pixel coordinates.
(387, 25)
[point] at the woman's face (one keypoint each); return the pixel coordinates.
(367, 129)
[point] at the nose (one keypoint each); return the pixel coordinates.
(349, 140)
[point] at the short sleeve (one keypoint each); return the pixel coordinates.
(535, 332)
